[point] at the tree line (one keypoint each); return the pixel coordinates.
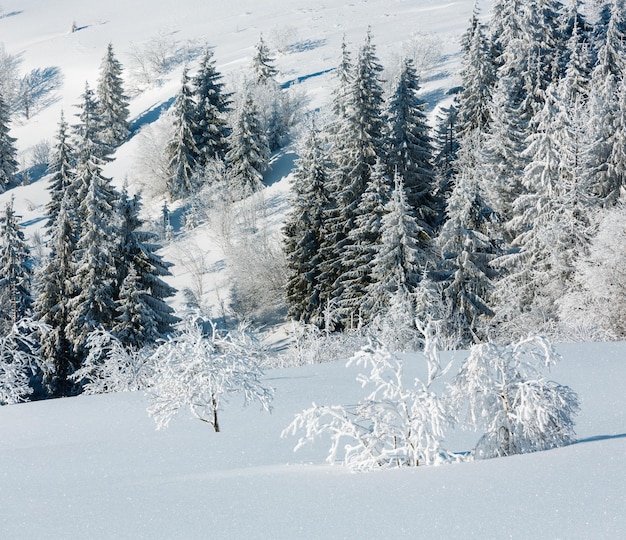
(487, 223)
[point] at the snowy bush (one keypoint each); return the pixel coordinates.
(503, 392)
(395, 425)
(19, 361)
(313, 345)
(110, 367)
(201, 371)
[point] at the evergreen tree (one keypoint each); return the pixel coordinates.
(360, 249)
(61, 171)
(248, 154)
(478, 76)
(56, 286)
(409, 149)
(212, 105)
(143, 315)
(181, 149)
(263, 63)
(94, 271)
(112, 102)
(87, 133)
(343, 76)
(401, 257)
(358, 144)
(550, 230)
(8, 153)
(304, 233)
(15, 271)
(466, 249)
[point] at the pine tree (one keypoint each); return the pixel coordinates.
(343, 76)
(212, 105)
(87, 133)
(181, 150)
(112, 102)
(143, 315)
(550, 229)
(61, 171)
(478, 76)
(56, 286)
(263, 63)
(8, 153)
(401, 257)
(15, 271)
(466, 248)
(304, 232)
(360, 249)
(248, 154)
(409, 150)
(357, 145)
(94, 264)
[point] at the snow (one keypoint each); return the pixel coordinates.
(95, 467)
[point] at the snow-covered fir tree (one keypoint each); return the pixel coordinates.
(248, 156)
(409, 150)
(304, 232)
(94, 263)
(143, 316)
(263, 67)
(61, 172)
(15, 271)
(112, 101)
(361, 246)
(466, 249)
(8, 153)
(550, 229)
(87, 135)
(56, 286)
(212, 105)
(181, 150)
(478, 79)
(357, 145)
(402, 255)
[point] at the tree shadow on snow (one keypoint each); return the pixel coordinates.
(601, 438)
(149, 116)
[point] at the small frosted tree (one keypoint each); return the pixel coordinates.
(396, 425)
(201, 371)
(111, 367)
(503, 391)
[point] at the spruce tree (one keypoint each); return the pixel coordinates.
(401, 257)
(112, 101)
(56, 286)
(409, 150)
(181, 149)
(15, 271)
(87, 132)
(263, 63)
(360, 249)
(478, 79)
(140, 292)
(357, 145)
(211, 106)
(61, 171)
(249, 153)
(8, 153)
(466, 250)
(304, 232)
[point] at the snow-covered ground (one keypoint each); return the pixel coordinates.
(94, 467)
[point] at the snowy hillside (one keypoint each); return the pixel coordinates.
(94, 467)
(307, 38)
